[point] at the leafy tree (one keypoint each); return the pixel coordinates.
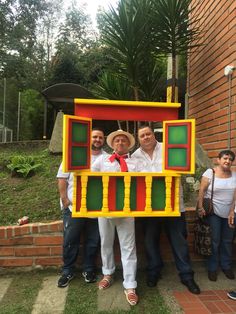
(11, 98)
(66, 69)
(31, 115)
(22, 54)
(75, 39)
(76, 31)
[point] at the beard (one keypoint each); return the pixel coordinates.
(96, 148)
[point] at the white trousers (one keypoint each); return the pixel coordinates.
(126, 236)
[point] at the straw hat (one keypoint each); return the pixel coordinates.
(112, 135)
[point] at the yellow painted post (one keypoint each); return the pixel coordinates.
(168, 181)
(84, 182)
(169, 90)
(127, 180)
(177, 193)
(148, 181)
(105, 182)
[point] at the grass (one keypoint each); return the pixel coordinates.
(36, 196)
(81, 297)
(21, 294)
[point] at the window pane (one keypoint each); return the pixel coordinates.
(158, 194)
(79, 132)
(120, 188)
(94, 193)
(79, 156)
(177, 134)
(133, 192)
(177, 157)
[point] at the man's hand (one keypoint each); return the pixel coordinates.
(65, 202)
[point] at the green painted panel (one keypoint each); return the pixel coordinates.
(158, 194)
(177, 157)
(94, 193)
(79, 132)
(120, 193)
(178, 134)
(133, 192)
(79, 156)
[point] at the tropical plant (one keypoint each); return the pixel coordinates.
(112, 86)
(173, 30)
(125, 33)
(23, 166)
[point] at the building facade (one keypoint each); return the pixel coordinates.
(211, 87)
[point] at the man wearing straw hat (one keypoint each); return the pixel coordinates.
(121, 142)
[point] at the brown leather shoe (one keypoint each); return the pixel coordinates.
(212, 275)
(229, 273)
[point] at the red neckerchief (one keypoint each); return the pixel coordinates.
(121, 161)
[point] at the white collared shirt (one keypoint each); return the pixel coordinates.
(95, 157)
(144, 161)
(103, 164)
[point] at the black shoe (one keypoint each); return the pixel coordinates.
(191, 285)
(89, 276)
(152, 280)
(64, 280)
(212, 275)
(229, 273)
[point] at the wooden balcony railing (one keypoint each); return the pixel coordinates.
(126, 194)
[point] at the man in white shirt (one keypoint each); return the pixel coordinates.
(73, 227)
(121, 142)
(149, 159)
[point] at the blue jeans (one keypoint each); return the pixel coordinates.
(73, 228)
(222, 242)
(176, 231)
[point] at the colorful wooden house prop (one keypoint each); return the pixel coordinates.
(127, 194)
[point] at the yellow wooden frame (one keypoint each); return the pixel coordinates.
(192, 139)
(126, 212)
(65, 141)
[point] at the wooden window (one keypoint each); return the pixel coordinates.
(76, 143)
(179, 146)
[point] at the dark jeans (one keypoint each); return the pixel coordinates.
(222, 243)
(176, 231)
(73, 228)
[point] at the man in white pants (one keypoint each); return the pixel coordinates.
(121, 142)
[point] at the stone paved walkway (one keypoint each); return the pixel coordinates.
(213, 298)
(50, 299)
(210, 301)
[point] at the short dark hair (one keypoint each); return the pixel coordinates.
(227, 152)
(98, 129)
(146, 125)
